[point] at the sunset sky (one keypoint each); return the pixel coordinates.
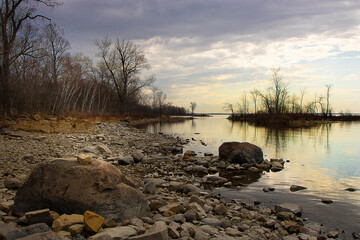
(212, 51)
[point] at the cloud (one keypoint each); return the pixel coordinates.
(214, 48)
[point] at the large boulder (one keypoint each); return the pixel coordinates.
(66, 186)
(240, 152)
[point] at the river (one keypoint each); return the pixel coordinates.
(325, 159)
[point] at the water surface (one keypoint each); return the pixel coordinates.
(325, 159)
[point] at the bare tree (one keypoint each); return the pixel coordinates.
(302, 94)
(276, 96)
(254, 95)
(229, 107)
(328, 108)
(15, 16)
(124, 62)
(192, 107)
(55, 47)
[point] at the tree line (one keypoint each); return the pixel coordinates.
(39, 75)
(276, 99)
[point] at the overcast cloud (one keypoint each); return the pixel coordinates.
(211, 51)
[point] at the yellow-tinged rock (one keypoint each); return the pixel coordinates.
(65, 221)
(84, 159)
(93, 222)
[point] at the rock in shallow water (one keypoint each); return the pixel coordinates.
(236, 152)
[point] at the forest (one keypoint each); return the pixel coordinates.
(38, 74)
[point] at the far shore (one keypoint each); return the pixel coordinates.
(291, 120)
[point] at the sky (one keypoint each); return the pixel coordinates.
(215, 51)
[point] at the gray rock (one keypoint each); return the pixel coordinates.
(158, 231)
(127, 160)
(25, 231)
(44, 235)
(150, 188)
(116, 233)
(236, 152)
(5, 131)
(191, 188)
(138, 156)
(214, 222)
(190, 215)
(289, 207)
(5, 228)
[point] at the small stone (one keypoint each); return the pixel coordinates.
(39, 216)
(76, 229)
(150, 188)
(92, 222)
(356, 235)
(295, 188)
(173, 207)
(84, 158)
(13, 183)
(333, 234)
(190, 215)
(350, 189)
(220, 209)
(289, 207)
(327, 201)
(64, 221)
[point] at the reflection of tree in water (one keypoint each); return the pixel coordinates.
(193, 124)
(280, 138)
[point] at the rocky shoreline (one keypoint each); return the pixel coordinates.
(175, 185)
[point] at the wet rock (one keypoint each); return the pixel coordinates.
(236, 152)
(67, 186)
(350, 189)
(295, 188)
(289, 207)
(356, 235)
(326, 201)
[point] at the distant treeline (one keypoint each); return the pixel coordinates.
(39, 75)
(291, 119)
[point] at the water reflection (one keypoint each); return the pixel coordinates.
(324, 158)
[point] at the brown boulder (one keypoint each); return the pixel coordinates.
(240, 152)
(66, 186)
